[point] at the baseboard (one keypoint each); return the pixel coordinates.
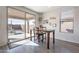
(4, 45)
(72, 43)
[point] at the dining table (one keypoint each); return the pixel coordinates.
(48, 37)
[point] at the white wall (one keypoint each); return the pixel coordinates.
(71, 37)
(3, 26)
(46, 16)
(4, 21)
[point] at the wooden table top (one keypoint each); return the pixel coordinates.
(48, 30)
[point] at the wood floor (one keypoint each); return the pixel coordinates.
(27, 46)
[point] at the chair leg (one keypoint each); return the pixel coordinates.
(34, 37)
(38, 38)
(42, 37)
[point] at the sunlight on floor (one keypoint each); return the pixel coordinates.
(26, 42)
(19, 36)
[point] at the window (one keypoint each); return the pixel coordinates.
(66, 21)
(67, 26)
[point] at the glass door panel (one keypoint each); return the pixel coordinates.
(30, 23)
(16, 25)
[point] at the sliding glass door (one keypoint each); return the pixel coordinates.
(19, 24)
(30, 22)
(16, 25)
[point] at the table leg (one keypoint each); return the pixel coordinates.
(53, 37)
(45, 36)
(48, 40)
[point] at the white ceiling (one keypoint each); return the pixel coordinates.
(42, 9)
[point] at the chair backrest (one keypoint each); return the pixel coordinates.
(44, 28)
(38, 30)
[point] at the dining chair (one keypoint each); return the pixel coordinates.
(39, 34)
